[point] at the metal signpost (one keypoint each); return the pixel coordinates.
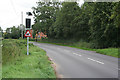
(28, 34)
(27, 45)
(28, 27)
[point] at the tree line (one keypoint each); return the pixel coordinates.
(13, 33)
(94, 22)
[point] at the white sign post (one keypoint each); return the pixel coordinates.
(27, 45)
(28, 34)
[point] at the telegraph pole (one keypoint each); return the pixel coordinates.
(22, 24)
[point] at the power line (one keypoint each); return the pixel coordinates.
(13, 7)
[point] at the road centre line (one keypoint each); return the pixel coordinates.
(77, 54)
(74, 53)
(95, 60)
(87, 58)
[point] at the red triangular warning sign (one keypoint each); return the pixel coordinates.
(28, 34)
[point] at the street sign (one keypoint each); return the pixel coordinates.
(28, 23)
(28, 34)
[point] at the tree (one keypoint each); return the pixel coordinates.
(62, 26)
(12, 32)
(94, 22)
(80, 26)
(116, 18)
(15, 33)
(45, 15)
(102, 27)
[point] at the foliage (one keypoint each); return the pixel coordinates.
(102, 27)
(63, 27)
(93, 22)
(45, 15)
(16, 64)
(12, 32)
(109, 51)
(12, 49)
(83, 45)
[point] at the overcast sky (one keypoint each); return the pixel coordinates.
(10, 12)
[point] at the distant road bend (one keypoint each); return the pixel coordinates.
(77, 63)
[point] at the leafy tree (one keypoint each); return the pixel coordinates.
(116, 18)
(45, 15)
(102, 28)
(12, 32)
(15, 33)
(62, 26)
(7, 33)
(80, 24)
(94, 22)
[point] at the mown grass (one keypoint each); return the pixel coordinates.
(82, 45)
(16, 64)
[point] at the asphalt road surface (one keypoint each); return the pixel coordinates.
(77, 63)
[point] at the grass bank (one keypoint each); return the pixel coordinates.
(109, 51)
(81, 45)
(16, 64)
(0, 59)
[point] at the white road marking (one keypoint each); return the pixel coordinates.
(74, 53)
(96, 61)
(100, 62)
(91, 59)
(77, 54)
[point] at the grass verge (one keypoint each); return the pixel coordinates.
(108, 51)
(16, 64)
(82, 45)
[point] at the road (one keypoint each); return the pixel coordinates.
(77, 63)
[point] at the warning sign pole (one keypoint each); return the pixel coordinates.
(28, 34)
(27, 45)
